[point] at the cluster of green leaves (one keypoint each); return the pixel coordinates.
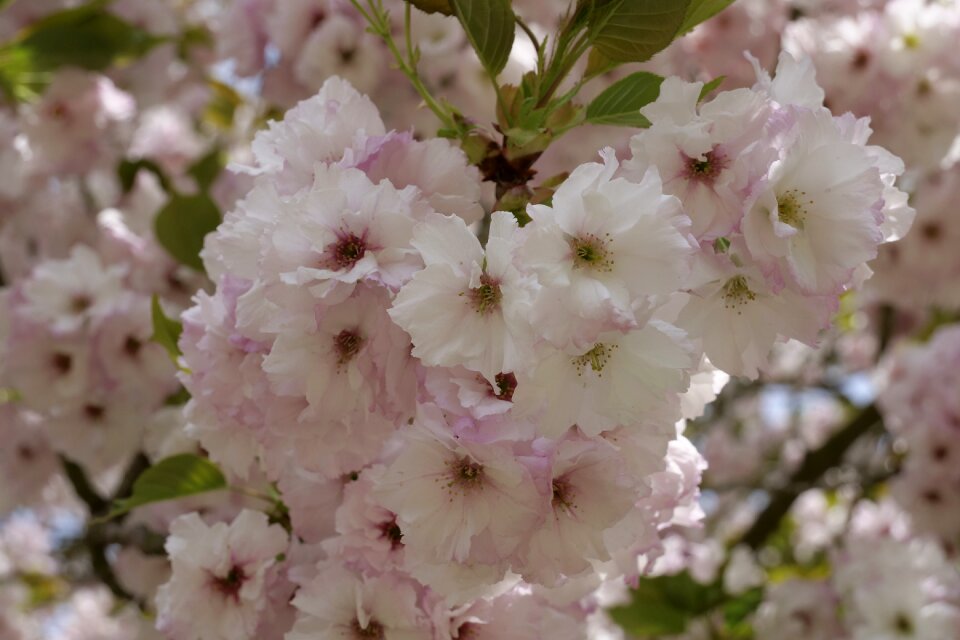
(88, 36)
(666, 605)
(532, 115)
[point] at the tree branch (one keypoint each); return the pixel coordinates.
(815, 464)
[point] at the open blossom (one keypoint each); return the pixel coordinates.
(708, 156)
(619, 380)
(68, 293)
(343, 231)
(336, 367)
(456, 500)
(467, 307)
(818, 214)
(603, 249)
(340, 604)
(730, 309)
(220, 576)
(590, 490)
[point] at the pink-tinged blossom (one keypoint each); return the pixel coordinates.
(817, 214)
(68, 294)
(345, 230)
(369, 536)
(456, 500)
(602, 250)
(315, 131)
(337, 367)
(220, 577)
(339, 604)
(436, 167)
(797, 609)
(620, 379)
(467, 307)
(27, 461)
(226, 380)
(709, 156)
(589, 491)
(81, 122)
(730, 307)
(518, 614)
(341, 47)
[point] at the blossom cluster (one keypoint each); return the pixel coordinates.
(480, 427)
(920, 407)
(889, 581)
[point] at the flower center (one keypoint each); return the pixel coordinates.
(487, 296)
(391, 531)
(736, 293)
(373, 630)
(903, 624)
(708, 168)
(506, 385)
(465, 474)
(94, 412)
(131, 346)
(62, 362)
(792, 208)
(80, 303)
(229, 585)
(590, 252)
(349, 250)
(347, 344)
(596, 358)
(563, 495)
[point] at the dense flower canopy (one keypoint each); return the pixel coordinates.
(346, 319)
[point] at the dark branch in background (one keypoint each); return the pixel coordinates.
(100, 535)
(814, 465)
(84, 490)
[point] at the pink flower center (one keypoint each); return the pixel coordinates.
(230, 584)
(391, 531)
(373, 630)
(563, 495)
(465, 474)
(349, 250)
(62, 362)
(347, 344)
(506, 385)
(94, 412)
(486, 298)
(707, 168)
(132, 346)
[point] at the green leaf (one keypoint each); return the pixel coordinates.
(178, 398)
(665, 605)
(620, 103)
(490, 27)
(710, 87)
(182, 225)
(223, 105)
(700, 11)
(166, 331)
(433, 6)
(206, 169)
(739, 607)
(88, 36)
(171, 478)
(635, 30)
(127, 171)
